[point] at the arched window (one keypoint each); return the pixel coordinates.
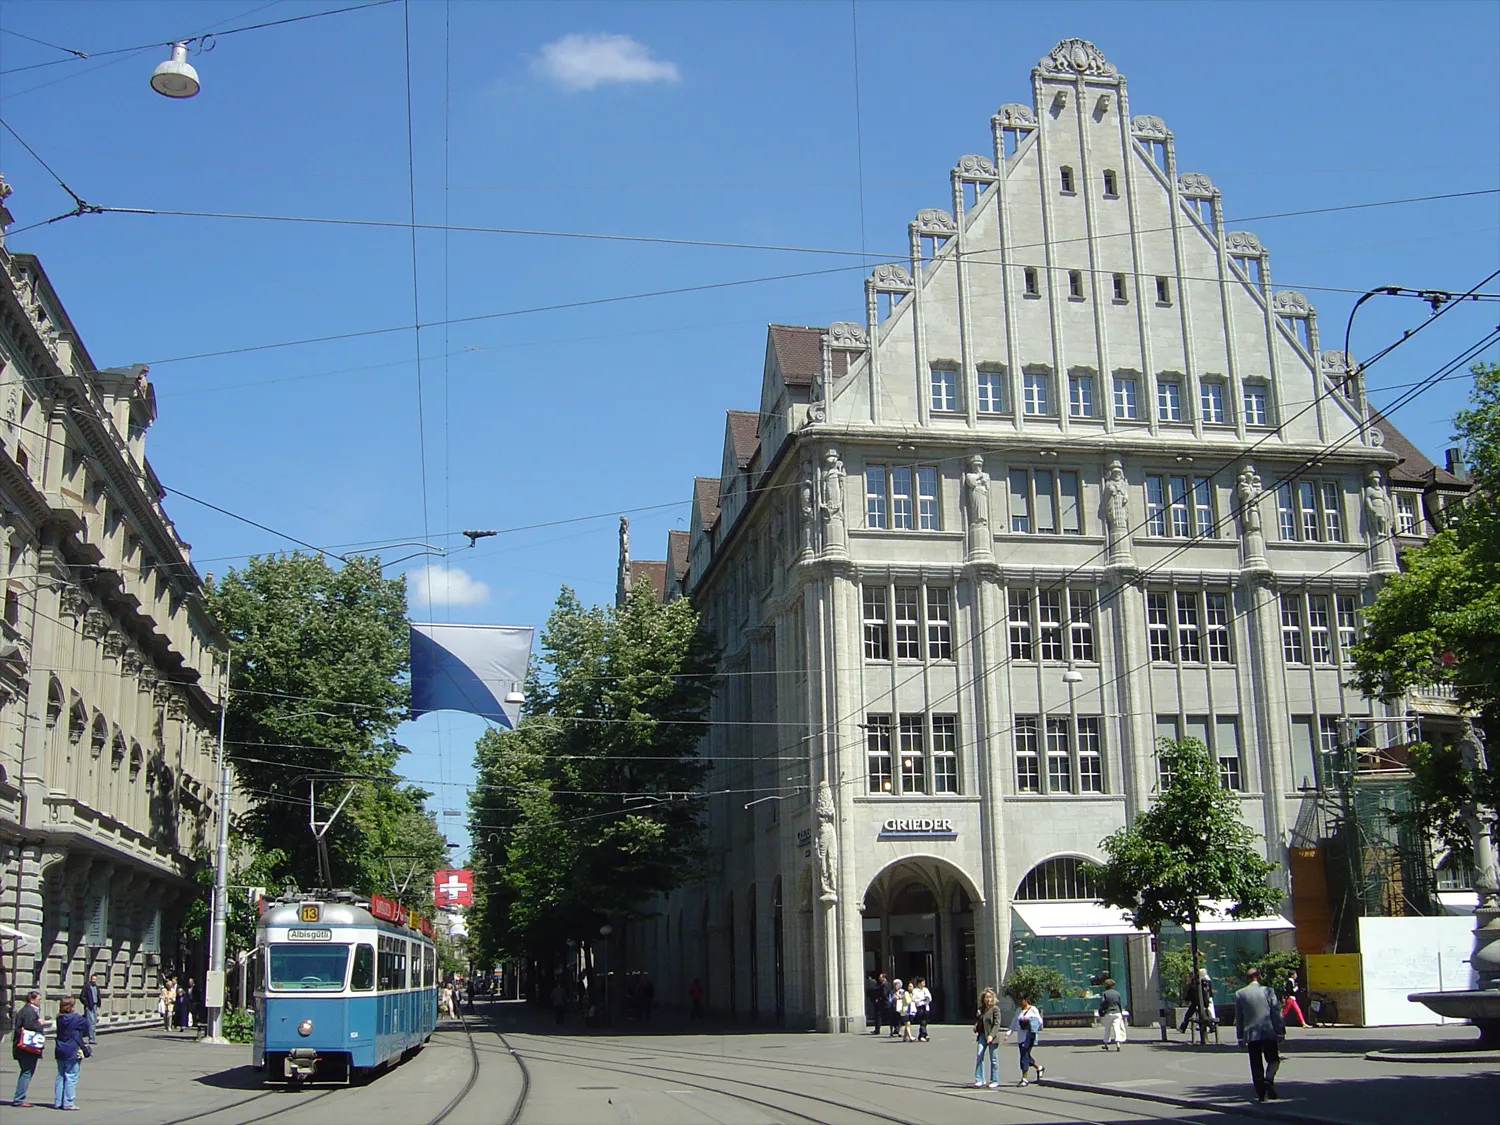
(100, 735)
(78, 720)
(54, 701)
(117, 750)
(137, 760)
(1060, 878)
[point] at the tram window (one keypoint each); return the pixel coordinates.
(362, 979)
(387, 963)
(309, 968)
(431, 978)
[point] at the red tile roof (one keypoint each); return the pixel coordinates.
(1414, 468)
(744, 427)
(678, 544)
(652, 571)
(706, 496)
(799, 352)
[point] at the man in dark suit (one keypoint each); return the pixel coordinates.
(28, 1018)
(90, 997)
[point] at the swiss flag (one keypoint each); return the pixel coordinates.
(452, 888)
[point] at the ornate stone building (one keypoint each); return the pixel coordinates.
(109, 671)
(1082, 479)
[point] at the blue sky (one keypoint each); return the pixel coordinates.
(723, 122)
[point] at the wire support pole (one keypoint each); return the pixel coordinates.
(214, 983)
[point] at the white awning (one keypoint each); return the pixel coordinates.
(1086, 919)
(9, 933)
(1214, 919)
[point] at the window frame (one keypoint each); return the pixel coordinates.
(1062, 498)
(1255, 402)
(902, 497)
(1129, 401)
(942, 385)
(989, 390)
(1036, 394)
(1169, 400)
(917, 756)
(1211, 403)
(1058, 754)
(1080, 396)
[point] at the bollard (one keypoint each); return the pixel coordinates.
(1162, 1018)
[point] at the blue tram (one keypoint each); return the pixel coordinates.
(346, 985)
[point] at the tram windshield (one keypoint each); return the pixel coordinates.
(308, 968)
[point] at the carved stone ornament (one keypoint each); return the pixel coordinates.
(177, 708)
(974, 167)
(145, 679)
(1375, 437)
(1150, 126)
(934, 220)
(1078, 56)
(74, 601)
(827, 846)
(847, 335)
(114, 645)
(1014, 115)
(162, 694)
(95, 623)
(1195, 185)
(1335, 362)
(891, 277)
(1244, 243)
(1289, 302)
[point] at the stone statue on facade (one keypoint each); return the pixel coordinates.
(977, 506)
(831, 501)
(806, 492)
(1378, 521)
(827, 846)
(1486, 873)
(1248, 490)
(1117, 512)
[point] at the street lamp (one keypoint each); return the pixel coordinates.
(176, 77)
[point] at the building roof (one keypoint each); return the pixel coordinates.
(706, 497)
(799, 352)
(653, 571)
(1414, 468)
(679, 546)
(744, 429)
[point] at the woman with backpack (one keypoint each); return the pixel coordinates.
(1026, 1027)
(987, 1036)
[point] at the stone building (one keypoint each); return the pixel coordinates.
(1084, 478)
(110, 671)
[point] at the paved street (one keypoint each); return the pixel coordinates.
(673, 1074)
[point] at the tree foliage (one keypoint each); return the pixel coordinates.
(588, 807)
(1189, 847)
(1032, 982)
(317, 686)
(1438, 621)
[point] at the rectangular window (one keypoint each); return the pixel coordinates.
(1028, 771)
(1189, 630)
(991, 392)
(1216, 622)
(1347, 608)
(927, 499)
(901, 506)
(1156, 506)
(1090, 755)
(1111, 184)
(1030, 278)
(1212, 396)
(1059, 757)
(1227, 749)
(1066, 176)
(1166, 728)
(1081, 624)
(1319, 629)
(1159, 625)
(1075, 284)
(913, 754)
(877, 624)
(875, 509)
(1291, 629)
(1046, 505)
(1050, 624)
(939, 623)
(878, 752)
(1020, 625)
(1203, 507)
(1034, 385)
(1406, 513)
(944, 389)
(1256, 412)
(1333, 511)
(1328, 749)
(1020, 500)
(1286, 513)
(1163, 291)
(1071, 510)
(1119, 283)
(1180, 524)
(945, 753)
(1307, 504)
(1168, 400)
(1127, 407)
(1080, 396)
(908, 630)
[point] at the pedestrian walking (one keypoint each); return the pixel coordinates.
(908, 1012)
(166, 1002)
(875, 993)
(1200, 1003)
(1259, 1026)
(183, 1009)
(559, 1003)
(695, 994)
(1026, 1026)
(987, 1037)
(91, 997)
(923, 997)
(70, 1051)
(1290, 1005)
(1112, 1012)
(27, 1041)
(445, 1002)
(898, 992)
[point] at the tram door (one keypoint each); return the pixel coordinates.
(254, 986)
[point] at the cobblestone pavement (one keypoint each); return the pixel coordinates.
(510, 1058)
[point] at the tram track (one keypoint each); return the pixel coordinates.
(474, 1064)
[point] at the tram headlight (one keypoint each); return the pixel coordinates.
(304, 1028)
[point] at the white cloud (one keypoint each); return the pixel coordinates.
(444, 586)
(582, 62)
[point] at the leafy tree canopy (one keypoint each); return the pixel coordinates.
(319, 658)
(588, 807)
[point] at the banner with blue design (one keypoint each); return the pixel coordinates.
(480, 669)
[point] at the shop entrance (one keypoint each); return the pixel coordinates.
(919, 923)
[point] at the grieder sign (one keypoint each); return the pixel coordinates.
(918, 828)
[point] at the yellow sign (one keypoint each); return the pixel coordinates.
(310, 911)
(1330, 972)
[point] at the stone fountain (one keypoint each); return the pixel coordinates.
(1480, 1005)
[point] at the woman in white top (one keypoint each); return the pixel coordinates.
(922, 997)
(1026, 1027)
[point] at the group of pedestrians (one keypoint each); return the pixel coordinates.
(899, 1005)
(176, 1004)
(72, 1037)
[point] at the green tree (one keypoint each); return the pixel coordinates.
(589, 806)
(1438, 622)
(319, 657)
(1189, 847)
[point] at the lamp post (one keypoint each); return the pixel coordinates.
(213, 982)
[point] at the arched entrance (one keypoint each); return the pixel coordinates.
(919, 922)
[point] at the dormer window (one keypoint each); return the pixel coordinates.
(1066, 175)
